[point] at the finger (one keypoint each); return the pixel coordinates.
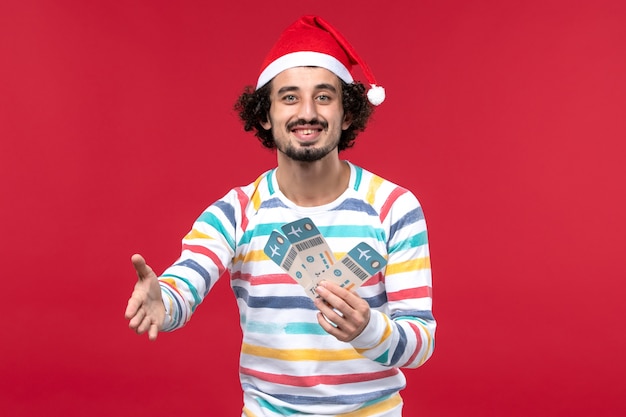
(350, 305)
(153, 332)
(329, 326)
(137, 319)
(142, 269)
(332, 315)
(333, 295)
(144, 325)
(132, 307)
(350, 298)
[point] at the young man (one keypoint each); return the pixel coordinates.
(327, 328)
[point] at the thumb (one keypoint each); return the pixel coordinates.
(142, 269)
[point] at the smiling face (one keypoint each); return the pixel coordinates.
(306, 115)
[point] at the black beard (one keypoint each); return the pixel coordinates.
(307, 154)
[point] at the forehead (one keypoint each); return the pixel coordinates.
(305, 78)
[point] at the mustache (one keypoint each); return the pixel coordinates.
(303, 122)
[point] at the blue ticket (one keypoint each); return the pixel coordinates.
(356, 267)
(280, 250)
(310, 245)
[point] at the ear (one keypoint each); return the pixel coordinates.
(266, 124)
(347, 121)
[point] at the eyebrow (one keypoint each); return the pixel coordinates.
(323, 86)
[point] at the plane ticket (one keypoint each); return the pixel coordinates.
(282, 252)
(310, 245)
(305, 255)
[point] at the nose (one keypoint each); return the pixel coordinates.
(308, 109)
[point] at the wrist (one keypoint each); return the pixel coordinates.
(372, 333)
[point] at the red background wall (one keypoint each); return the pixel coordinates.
(506, 118)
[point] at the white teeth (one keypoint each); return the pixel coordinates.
(306, 131)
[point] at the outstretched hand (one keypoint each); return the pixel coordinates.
(145, 308)
(349, 312)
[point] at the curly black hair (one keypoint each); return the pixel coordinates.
(253, 108)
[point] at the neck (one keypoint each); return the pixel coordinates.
(310, 184)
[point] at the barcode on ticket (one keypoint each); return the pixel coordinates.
(310, 245)
(281, 251)
(356, 267)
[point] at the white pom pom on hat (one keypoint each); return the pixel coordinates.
(311, 41)
(376, 94)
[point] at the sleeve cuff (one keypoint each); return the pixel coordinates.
(373, 332)
(168, 321)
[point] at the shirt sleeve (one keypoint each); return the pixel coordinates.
(403, 334)
(206, 253)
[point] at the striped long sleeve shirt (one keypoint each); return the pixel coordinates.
(289, 366)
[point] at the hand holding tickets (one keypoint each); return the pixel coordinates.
(305, 255)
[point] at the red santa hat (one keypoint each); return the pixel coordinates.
(311, 41)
